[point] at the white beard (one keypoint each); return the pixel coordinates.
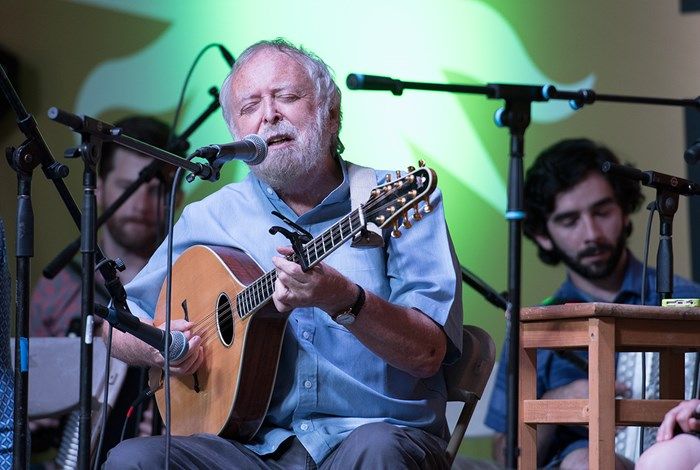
(290, 169)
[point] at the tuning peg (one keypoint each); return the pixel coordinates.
(398, 174)
(427, 208)
(376, 192)
(416, 212)
(411, 168)
(379, 219)
(421, 163)
(396, 233)
(387, 178)
(407, 223)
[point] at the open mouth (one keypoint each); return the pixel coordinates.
(278, 140)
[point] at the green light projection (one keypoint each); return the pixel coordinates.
(455, 41)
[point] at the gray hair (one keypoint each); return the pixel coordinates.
(327, 92)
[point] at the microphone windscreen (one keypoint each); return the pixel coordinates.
(178, 346)
(260, 148)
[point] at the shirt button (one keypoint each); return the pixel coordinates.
(269, 191)
(306, 335)
(307, 384)
(304, 427)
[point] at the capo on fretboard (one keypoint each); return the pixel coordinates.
(298, 239)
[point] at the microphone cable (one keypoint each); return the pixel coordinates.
(168, 304)
(228, 57)
(651, 207)
(144, 395)
(105, 396)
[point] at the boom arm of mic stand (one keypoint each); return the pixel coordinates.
(145, 175)
(496, 299)
(204, 171)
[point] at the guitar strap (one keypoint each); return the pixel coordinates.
(362, 181)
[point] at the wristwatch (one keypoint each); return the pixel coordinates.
(348, 316)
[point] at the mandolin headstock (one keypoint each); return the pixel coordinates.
(390, 203)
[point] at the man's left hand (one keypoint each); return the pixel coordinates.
(683, 417)
(321, 286)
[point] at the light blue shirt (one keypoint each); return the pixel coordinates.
(328, 383)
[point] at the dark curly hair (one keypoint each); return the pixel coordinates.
(561, 167)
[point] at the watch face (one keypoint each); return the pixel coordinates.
(345, 318)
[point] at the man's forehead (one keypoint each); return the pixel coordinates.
(591, 191)
(269, 69)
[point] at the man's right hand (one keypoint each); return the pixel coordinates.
(194, 358)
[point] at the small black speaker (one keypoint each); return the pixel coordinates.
(11, 65)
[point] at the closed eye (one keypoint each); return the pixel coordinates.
(249, 107)
(288, 98)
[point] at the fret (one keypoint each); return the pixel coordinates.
(240, 304)
(332, 237)
(255, 294)
(308, 257)
(244, 304)
(249, 307)
(323, 240)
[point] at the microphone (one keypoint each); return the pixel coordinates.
(358, 81)
(654, 179)
(128, 323)
(692, 155)
(252, 150)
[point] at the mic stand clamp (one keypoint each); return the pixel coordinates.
(666, 204)
(298, 239)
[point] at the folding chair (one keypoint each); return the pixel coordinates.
(467, 378)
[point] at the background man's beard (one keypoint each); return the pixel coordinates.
(143, 244)
(286, 169)
(594, 271)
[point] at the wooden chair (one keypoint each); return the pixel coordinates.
(467, 378)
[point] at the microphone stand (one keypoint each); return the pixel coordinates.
(515, 115)
(178, 144)
(94, 133)
(29, 155)
(23, 160)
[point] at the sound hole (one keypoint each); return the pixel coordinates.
(224, 319)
